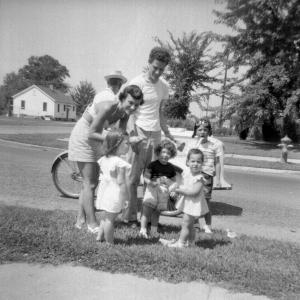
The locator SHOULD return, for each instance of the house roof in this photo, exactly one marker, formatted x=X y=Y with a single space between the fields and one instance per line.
x=55 y=95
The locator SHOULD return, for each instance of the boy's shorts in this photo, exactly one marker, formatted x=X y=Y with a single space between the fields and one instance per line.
x=208 y=186
x=156 y=198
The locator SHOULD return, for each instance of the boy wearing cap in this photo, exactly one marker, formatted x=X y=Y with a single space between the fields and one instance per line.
x=114 y=82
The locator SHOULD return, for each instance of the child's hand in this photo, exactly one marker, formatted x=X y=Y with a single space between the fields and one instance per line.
x=152 y=183
x=133 y=140
x=173 y=187
x=165 y=181
x=173 y=194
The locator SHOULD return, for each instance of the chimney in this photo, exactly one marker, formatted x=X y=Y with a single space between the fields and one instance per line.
x=51 y=87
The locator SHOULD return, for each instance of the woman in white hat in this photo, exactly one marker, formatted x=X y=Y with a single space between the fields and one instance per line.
x=114 y=81
x=86 y=140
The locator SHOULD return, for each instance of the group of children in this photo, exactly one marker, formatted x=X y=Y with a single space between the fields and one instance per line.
x=191 y=188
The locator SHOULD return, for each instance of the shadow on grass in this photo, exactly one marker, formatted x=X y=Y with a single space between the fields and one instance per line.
x=211 y=243
x=224 y=209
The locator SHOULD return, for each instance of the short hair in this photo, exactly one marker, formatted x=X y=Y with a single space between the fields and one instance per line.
x=113 y=140
x=134 y=91
x=161 y=54
x=194 y=151
x=206 y=123
x=167 y=145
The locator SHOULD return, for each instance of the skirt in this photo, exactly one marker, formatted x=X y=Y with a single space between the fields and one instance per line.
x=81 y=148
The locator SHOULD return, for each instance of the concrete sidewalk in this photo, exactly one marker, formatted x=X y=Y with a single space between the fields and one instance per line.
x=64 y=282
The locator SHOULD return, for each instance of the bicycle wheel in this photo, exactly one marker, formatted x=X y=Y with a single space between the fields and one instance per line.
x=66 y=176
x=171 y=211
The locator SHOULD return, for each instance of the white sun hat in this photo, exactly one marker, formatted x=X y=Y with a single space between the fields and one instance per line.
x=116 y=74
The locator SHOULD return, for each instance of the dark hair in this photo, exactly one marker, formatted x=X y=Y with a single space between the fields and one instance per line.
x=161 y=54
x=206 y=123
x=167 y=145
x=134 y=91
x=194 y=151
x=114 y=139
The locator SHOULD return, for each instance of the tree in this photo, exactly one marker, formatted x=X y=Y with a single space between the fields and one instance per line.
x=189 y=69
x=83 y=95
x=12 y=84
x=43 y=70
x=267 y=41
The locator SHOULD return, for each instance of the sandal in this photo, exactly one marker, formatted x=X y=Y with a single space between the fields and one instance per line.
x=93 y=230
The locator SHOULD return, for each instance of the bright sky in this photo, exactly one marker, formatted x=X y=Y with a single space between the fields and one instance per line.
x=92 y=38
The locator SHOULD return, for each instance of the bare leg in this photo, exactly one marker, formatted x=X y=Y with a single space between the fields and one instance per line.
x=131 y=213
x=89 y=172
x=207 y=217
x=192 y=234
x=100 y=236
x=81 y=217
x=146 y=215
x=187 y=223
x=154 y=221
x=109 y=226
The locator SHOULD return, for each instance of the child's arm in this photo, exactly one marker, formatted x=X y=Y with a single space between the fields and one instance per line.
x=190 y=190
x=147 y=178
x=121 y=180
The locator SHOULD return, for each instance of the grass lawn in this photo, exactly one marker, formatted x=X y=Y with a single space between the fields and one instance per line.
x=245 y=264
x=261 y=164
x=14 y=121
x=45 y=139
x=234 y=145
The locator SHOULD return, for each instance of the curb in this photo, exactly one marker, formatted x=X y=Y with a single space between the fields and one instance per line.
x=230 y=167
x=262 y=170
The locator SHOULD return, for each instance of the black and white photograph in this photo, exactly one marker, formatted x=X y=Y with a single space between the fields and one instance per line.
x=149 y=149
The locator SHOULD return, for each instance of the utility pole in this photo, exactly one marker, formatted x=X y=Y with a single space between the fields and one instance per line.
x=224 y=87
x=207 y=105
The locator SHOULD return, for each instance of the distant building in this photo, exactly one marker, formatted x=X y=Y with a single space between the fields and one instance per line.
x=40 y=101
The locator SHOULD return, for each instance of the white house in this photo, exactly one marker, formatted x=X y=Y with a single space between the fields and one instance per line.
x=40 y=101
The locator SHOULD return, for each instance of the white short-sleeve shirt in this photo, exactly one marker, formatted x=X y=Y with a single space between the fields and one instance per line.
x=147 y=115
x=106 y=95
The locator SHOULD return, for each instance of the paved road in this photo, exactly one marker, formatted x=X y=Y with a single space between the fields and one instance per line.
x=259 y=204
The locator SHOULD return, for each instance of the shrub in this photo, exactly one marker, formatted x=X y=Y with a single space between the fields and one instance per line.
x=223 y=131
x=188 y=124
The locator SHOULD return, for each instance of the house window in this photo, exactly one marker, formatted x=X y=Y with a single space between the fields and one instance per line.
x=57 y=107
x=44 y=106
x=64 y=107
x=73 y=108
x=22 y=104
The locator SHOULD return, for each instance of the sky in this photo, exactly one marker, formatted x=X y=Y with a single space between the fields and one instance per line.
x=95 y=37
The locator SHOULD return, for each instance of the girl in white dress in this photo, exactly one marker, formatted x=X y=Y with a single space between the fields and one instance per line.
x=112 y=192
x=192 y=203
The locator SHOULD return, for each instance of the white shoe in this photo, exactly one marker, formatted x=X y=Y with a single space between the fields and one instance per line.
x=191 y=243
x=143 y=233
x=178 y=244
x=207 y=229
x=93 y=230
x=231 y=234
x=166 y=242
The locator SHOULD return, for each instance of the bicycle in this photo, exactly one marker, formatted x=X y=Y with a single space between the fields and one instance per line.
x=67 y=180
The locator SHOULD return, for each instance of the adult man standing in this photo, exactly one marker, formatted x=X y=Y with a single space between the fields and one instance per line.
x=148 y=122
x=114 y=82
